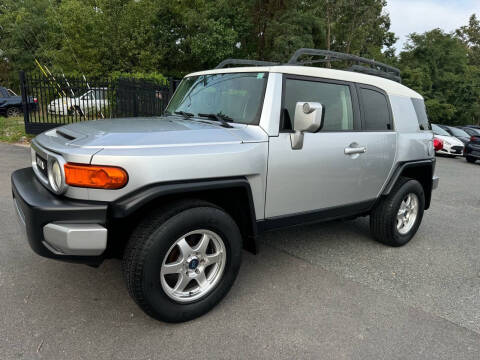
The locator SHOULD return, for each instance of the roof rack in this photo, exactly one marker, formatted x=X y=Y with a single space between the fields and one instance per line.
x=226 y=62
x=375 y=67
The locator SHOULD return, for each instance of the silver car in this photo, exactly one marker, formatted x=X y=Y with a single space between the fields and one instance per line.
x=239 y=151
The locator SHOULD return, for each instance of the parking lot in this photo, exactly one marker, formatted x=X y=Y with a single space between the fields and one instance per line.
x=321 y=291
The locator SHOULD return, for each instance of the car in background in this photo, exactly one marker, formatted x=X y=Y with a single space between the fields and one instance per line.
x=94 y=100
x=460 y=134
x=11 y=104
x=470 y=131
x=473 y=126
x=472 y=148
x=451 y=145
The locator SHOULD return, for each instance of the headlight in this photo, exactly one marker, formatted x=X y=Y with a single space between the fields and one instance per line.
x=55 y=177
x=445 y=142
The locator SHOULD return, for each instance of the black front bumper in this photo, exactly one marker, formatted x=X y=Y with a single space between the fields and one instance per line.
x=36 y=207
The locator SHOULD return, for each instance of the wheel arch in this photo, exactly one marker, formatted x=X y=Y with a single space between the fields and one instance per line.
x=231 y=194
x=421 y=170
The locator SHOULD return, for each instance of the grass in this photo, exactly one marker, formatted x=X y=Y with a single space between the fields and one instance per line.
x=12 y=130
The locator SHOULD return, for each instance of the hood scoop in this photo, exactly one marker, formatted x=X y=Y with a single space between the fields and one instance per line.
x=65 y=135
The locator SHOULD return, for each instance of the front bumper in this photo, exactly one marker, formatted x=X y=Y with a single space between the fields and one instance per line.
x=57 y=227
x=452 y=150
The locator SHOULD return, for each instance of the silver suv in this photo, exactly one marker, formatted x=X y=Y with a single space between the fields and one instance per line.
x=239 y=151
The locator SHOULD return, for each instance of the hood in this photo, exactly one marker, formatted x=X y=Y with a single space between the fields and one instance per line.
x=146 y=132
x=451 y=139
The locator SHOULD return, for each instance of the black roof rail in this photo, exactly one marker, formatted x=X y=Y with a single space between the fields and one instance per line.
x=226 y=62
x=375 y=67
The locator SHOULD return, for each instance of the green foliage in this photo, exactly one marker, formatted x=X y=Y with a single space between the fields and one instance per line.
x=436 y=64
x=147 y=38
x=13 y=130
x=151 y=76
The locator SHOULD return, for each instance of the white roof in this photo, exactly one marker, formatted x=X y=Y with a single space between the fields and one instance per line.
x=389 y=86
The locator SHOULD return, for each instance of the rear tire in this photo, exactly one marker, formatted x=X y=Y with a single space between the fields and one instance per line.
x=395 y=220
x=470 y=159
x=179 y=295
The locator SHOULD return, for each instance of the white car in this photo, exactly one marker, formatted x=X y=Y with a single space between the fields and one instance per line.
x=451 y=145
x=94 y=100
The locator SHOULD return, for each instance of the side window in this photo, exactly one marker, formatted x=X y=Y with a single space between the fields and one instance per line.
x=375 y=110
x=335 y=98
x=422 y=118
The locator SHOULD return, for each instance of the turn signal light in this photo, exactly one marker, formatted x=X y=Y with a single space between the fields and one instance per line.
x=95 y=176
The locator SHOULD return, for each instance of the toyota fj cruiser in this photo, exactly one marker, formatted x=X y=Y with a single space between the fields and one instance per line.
x=239 y=151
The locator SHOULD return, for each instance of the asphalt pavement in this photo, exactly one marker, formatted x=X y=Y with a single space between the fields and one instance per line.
x=324 y=291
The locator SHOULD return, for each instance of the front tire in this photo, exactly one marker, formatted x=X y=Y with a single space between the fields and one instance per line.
x=179 y=263
x=13 y=112
x=470 y=159
x=396 y=218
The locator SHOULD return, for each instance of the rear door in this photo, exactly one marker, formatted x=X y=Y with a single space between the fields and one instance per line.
x=344 y=164
x=379 y=138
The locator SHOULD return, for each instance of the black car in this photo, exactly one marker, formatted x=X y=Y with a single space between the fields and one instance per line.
x=460 y=134
x=472 y=148
x=11 y=103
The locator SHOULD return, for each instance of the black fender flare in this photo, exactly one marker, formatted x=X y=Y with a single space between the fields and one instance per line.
x=131 y=203
x=402 y=167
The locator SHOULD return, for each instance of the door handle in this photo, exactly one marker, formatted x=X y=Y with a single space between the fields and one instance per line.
x=355 y=150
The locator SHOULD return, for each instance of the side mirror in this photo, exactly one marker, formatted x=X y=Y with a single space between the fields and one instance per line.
x=308 y=118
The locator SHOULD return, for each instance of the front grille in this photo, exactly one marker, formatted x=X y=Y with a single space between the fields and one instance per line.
x=457 y=149
x=42 y=165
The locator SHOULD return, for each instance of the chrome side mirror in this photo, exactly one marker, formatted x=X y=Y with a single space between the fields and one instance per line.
x=308 y=118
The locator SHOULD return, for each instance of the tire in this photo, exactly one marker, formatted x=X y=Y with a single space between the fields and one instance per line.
x=156 y=238
x=13 y=112
x=470 y=159
x=383 y=218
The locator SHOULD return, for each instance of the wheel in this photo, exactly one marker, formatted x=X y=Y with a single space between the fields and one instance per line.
x=13 y=112
x=182 y=260
x=470 y=159
x=396 y=218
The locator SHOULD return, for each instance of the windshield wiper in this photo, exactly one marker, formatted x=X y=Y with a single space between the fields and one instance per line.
x=219 y=117
x=186 y=115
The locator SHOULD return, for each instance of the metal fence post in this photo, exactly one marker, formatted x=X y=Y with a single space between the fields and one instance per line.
x=23 y=89
x=171 y=88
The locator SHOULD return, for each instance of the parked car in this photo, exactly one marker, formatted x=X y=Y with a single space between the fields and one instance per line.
x=473 y=126
x=470 y=131
x=460 y=134
x=472 y=148
x=11 y=103
x=95 y=100
x=451 y=145
x=178 y=196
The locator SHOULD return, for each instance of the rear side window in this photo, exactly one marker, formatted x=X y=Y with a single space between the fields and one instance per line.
x=423 y=122
x=376 y=113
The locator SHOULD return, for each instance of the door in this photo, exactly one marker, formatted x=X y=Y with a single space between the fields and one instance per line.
x=333 y=167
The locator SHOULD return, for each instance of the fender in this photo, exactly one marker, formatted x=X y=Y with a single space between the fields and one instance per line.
x=202 y=188
x=408 y=166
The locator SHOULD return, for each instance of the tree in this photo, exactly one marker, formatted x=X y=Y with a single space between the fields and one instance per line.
x=470 y=36
x=436 y=64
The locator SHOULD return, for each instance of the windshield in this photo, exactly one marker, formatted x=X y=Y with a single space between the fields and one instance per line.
x=458 y=132
x=437 y=130
x=238 y=96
